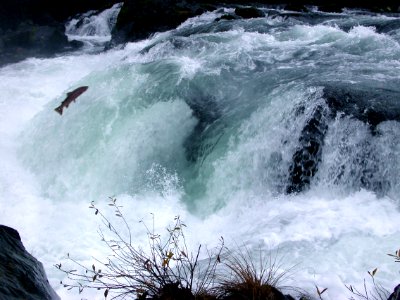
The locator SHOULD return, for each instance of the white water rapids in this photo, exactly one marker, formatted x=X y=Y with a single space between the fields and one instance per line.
x=201 y=122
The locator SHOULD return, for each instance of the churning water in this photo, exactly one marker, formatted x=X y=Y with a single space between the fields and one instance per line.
x=210 y=121
x=93 y=28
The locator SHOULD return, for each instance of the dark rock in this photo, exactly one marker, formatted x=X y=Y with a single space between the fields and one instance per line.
x=29 y=40
x=205 y=109
x=139 y=19
x=45 y=38
x=174 y=292
x=249 y=12
x=46 y=12
x=296 y=7
x=36 y=27
x=227 y=17
x=337 y=6
x=309 y=153
x=74 y=44
x=244 y=292
x=331 y=7
x=369 y=104
x=388 y=26
x=21 y=275
x=396 y=294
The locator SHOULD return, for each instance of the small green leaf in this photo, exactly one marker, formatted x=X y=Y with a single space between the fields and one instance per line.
x=106 y=293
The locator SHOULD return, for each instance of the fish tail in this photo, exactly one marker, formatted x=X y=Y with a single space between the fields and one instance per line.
x=59 y=110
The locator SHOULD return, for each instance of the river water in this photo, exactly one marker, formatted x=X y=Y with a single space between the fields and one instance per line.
x=203 y=122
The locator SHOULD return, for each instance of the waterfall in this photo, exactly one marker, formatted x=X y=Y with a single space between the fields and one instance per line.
x=93 y=27
x=280 y=133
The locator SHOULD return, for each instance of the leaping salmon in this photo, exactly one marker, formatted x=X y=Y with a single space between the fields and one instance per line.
x=71 y=97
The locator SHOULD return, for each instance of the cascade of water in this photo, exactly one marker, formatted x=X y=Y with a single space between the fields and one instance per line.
x=93 y=27
x=279 y=132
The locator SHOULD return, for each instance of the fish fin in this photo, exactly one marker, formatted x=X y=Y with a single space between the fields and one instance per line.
x=59 y=110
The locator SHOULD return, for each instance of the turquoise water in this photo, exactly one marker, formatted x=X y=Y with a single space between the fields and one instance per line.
x=203 y=122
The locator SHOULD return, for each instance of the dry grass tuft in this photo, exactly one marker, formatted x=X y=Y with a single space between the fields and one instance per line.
x=250 y=278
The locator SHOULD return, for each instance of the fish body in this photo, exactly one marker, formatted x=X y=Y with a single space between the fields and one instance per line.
x=71 y=97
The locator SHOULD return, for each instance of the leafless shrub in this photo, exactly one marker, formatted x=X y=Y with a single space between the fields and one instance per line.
x=132 y=272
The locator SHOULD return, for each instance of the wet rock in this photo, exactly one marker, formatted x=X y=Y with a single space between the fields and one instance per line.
x=227 y=17
x=35 y=28
x=369 y=104
x=331 y=7
x=139 y=19
x=337 y=6
x=249 y=12
x=396 y=294
x=203 y=139
x=46 y=12
x=309 y=153
x=29 y=40
x=296 y=7
x=21 y=275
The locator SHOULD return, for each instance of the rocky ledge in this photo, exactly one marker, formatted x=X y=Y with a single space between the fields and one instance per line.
x=35 y=28
x=21 y=275
x=140 y=18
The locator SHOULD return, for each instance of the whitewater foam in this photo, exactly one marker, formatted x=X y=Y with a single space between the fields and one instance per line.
x=248 y=94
